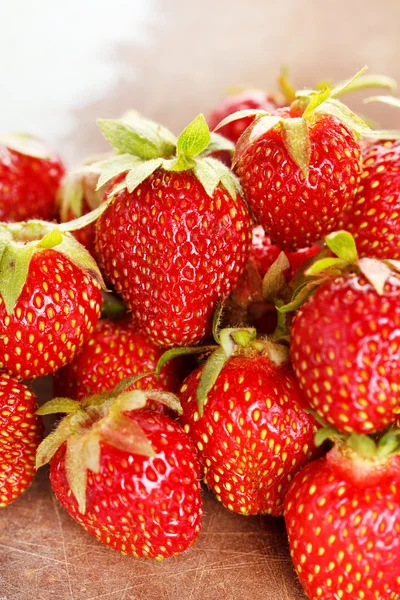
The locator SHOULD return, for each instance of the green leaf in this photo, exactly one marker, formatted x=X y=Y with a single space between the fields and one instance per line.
x=389 y=100
x=297 y=142
x=194 y=138
x=362 y=445
x=274 y=279
x=110 y=167
x=376 y=271
x=164 y=136
x=82 y=221
x=139 y=140
x=166 y=398
x=325 y=264
x=302 y=294
x=326 y=433
x=141 y=172
x=241 y=114
x=126 y=383
x=70 y=197
x=219 y=142
x=51 y=239
x=112 y=307
x=365 y=82
x=286 y=87
x=388 y=443
x=25 y=144
x=207 y=175
x=49 y=446
x=184 y=351
x=126 y=435
x=342 y=112
x=76 y=469
x=343 y=245
x=217 y=319
x=80 y=257
x=315 y=100
x=59 y=405
x=348 y=84
x=14 y=269
x=209 y=376
x=244 y=337
x=381 y=134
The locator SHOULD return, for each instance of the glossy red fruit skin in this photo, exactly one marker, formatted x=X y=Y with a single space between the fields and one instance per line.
x=344 y=530
x=345 y=348
x=28 y=186
x=21 y=433
x=147 y=507
x=114 y=351
x=254 y=435
x=172 y=252
x=293 y=211
x=375 y=219
x=56 y=312
x=247 y=99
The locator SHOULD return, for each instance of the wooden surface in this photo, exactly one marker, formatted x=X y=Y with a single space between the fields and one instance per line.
x=45 y=555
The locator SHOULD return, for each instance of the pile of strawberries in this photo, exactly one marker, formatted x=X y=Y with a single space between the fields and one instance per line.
x=247 y=282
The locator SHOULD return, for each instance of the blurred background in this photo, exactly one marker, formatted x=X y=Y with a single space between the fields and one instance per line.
x=65 y=64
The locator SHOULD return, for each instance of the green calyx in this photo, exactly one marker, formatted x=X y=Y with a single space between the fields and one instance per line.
x=143 y=146
x=230 y=342
x=99 y=418
x=306 y=108
x=20 y=241
x=25 y=144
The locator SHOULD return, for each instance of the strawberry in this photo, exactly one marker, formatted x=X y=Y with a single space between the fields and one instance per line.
x=30 y=176
x=300 y=166
x=128 y=475
x=78 y=196
x=345 y=341
x=114 y=351
x=342 y=514
x=20 y=436
x=375 y=220
x=245 y=414
x=175 y=234
x=50 y=297
x=244 y=100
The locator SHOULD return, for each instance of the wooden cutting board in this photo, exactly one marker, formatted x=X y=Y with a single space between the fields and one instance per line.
x=45 y=555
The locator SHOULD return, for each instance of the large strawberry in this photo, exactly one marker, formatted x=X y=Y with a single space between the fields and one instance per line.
x=50 y=297
x=375 y=219
x=128 y=475
x=345 y=340
x=30 y=176
x=176 y=233
x=342 y=514
x=20 y=436
x=300 y=166
x=114 y=351
x=246 y=415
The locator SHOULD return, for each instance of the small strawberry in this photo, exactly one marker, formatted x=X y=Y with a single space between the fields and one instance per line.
x=244 y=100
x=175 y=235
x=20 y=436
x=375 y=219
x=345 y=340
x=50 y=297
x=245 y=414
x=30 y=176
x=128 y=475
x=342 y=514
x=114 y=351
x=300 y=166
x=78 y=196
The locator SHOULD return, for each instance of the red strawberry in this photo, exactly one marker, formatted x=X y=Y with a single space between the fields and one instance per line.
x=345 y=342
x=115 y=350
x=20 y=436
x=375 y=220
x=30 y=176
x=247 y=99
x=343 y=521
x=254 y=434
x=130 y=477
x=78 y=196
x=175 y=235
x=50 y=298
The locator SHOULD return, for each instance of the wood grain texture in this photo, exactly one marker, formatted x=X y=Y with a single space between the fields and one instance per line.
x=45 y=555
